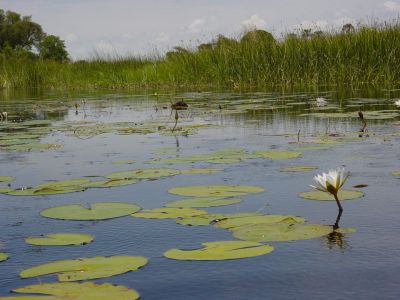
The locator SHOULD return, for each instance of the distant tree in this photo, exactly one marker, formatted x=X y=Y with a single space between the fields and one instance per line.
x=224 y=42
x=205 y=47
x=19 y=31
x=177 y=52
x=318 y=33
x=258 y=36
x=52 y=47
x=348 y=28
x=306 y=33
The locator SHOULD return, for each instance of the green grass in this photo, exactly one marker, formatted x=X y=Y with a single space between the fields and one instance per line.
x=369 y=55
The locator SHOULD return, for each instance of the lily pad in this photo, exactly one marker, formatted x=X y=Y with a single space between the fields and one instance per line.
x=200 y=171
x=298 y=169
x=124 y=162
x=95 y=211
x=277 y=154
x=323 y=196
x=396 y=173
x=215 y=190
x=202 y=202
x=60 y=239
x=61 y=184
x=234 y=222
x=75 y=291
x=204 y=220
x=143 y=174
x=109 y=183
x=42 y=191
x=279 y=232
x=6 y=178
x=3 y=256
x=221 y=250
x=87 y=268
x=166 y=213
x=5 y=190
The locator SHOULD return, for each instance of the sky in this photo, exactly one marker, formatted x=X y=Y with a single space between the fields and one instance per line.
x=133 y=27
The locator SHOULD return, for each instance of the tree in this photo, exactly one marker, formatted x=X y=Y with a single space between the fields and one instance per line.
x=348 y=28
x=258 y=36
x=52 y=47
x=17 y=31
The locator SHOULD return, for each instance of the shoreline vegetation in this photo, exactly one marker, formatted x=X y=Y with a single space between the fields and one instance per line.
x=367 y=55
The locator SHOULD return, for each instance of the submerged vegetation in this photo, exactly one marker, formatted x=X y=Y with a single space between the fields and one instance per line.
x=363 y=55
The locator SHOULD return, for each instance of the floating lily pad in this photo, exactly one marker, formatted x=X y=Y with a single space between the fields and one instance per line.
x=200 y=171
x=31 y=147
x=224 y=160
x=166 y=213
x=87 y=268
x=75 y=291
x=202 y=202
x=221 y=250
x=215 y=190
x=95 y=211
x=5 y=190
x=45 y=190
x=311 y=148
x=3 y=256
x=60 y=239
x=109 y=183
x=277 y=154
x=143 y=174
x=396 y=173
x=204 y=220
x=233 y=222
x=61 y=184
x=322 y=196
x=298 y=169
x=279 y=232
x=124 y=162
x=6 y=178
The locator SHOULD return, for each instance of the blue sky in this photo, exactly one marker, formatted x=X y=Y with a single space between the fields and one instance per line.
x=141 y=27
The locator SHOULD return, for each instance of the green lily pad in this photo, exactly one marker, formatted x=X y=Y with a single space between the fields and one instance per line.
x=124 y=162
x=221 y=250
x=31 y=147
x=396 y=173
x=3 y=256
x=204 y=220
x=6 y=178
x=95 y=211
x=75 y=291
x=42 y=191
x=166 y=213
x=215 y=190
x=202 y=202
x=87 y=268
x=224 y=160
x=200 y=171
x=60 y=239
x=61 y=184
x=277 y=154
x=311 y=148
x=143 y=174
x=298 y=169
x=109 y=183
x=323 y=196
x=5 y=190
x=235 y=221
x=280 y=232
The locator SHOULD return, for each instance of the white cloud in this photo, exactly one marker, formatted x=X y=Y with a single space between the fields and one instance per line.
x=104 y=47
x=392 y=6
x=196 y=25
x=127 y=35
x=162 y=37
x=71 y=37
x=254 y=22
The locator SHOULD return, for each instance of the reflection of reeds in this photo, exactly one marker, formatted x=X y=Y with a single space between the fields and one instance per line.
x=366 y=55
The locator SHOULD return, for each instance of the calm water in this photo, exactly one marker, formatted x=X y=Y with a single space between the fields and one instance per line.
x=363 y=265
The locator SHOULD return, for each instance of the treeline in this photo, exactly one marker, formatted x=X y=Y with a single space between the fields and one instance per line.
x=363 y=55
x=21 y=38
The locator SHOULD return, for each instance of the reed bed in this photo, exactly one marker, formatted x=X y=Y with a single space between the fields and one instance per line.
x=368 y=55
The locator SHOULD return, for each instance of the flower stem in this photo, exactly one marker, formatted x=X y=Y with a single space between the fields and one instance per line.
x=338 y=202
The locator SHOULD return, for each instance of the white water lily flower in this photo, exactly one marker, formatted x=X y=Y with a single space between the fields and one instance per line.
x=321 y=101
x=332 y=181
x=397 y=102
